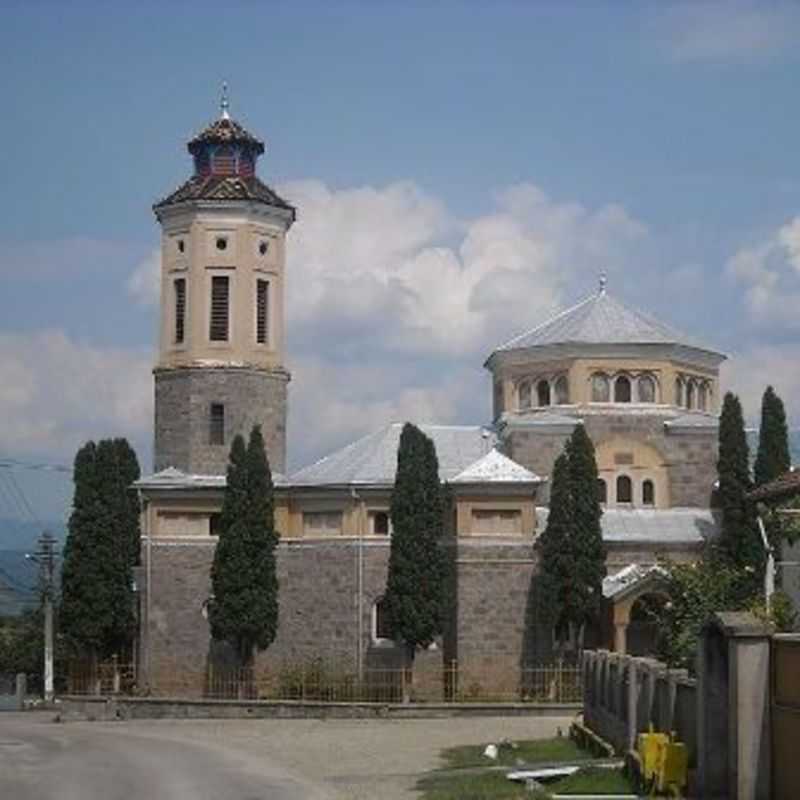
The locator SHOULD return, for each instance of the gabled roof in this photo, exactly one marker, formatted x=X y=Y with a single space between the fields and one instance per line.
x=225 y=187
x=600 y=319
x=783 y=486
x=494 y=467
x=372 y=460
x=629 y=579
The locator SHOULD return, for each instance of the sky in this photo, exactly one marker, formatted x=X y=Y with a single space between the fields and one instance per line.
x=461 y=170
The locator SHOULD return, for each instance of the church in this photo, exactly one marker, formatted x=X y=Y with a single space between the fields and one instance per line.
x=647 y=395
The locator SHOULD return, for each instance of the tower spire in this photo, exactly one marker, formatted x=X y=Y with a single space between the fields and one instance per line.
x=603 y=281
x=223 y=102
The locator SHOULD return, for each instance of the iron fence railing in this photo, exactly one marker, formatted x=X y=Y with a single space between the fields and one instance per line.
x=550 y=682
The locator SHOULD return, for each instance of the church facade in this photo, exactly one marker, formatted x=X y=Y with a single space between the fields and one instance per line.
x=647 y=395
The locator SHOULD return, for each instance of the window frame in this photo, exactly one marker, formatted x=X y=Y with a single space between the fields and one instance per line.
x=652 y=502
x=607 y=382
x=561 y=380
x=543 y=384
x=618 y=380
x=644 y=378
x=179 y=311
x=267 y=340
x=374 y=627
x=629 y=482
x=216 y=427
x=213 y=276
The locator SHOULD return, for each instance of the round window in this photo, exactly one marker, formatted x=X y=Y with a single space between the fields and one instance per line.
x=222 y=243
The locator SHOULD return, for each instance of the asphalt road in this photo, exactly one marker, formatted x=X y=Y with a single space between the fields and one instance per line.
x=270 y=759
x=40 y=760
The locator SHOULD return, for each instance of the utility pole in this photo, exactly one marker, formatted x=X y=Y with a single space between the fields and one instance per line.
x=45 y=557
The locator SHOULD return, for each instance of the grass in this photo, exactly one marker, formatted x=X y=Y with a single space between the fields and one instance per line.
x=541 y=751
x=467 y=774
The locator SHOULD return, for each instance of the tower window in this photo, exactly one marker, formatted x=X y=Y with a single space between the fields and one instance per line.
x=602 y=491
x=690 y=390
x=262 y=311
x=702 y=396
x=678 y=392
x=263 y=247
x=648 y=493
x=380 y=523
x=222 y=243
x=624 y=489
x=218 y=330
x=622 y=390
x=216 y=424
x=180 y=309
x=543 y=393
x=225 y=161
x=181 y=246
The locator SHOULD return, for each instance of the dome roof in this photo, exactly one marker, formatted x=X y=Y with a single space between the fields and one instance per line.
x=224 y=131
x=601 y=319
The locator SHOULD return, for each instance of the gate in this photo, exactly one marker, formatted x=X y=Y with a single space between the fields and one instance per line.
x=9 y=700
x=785 y=716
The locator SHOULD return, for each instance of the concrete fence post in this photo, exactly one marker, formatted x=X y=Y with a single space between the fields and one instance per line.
x=22 y=690
x=633 y=702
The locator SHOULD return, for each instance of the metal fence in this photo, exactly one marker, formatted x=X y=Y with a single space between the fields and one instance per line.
x=318 y=680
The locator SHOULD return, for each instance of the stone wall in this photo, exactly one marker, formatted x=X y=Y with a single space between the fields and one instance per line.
x=183 y=398
x=688 y=457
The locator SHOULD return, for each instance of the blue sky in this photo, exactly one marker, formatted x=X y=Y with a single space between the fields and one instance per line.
x=492 y=158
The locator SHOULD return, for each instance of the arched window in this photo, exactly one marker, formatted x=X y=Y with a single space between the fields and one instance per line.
x=543 y=393
x=562 y=390
x=678 y=392
x=648 y=493
x=646 y=386
x=690 y=389
x=602 y=491
x=702 y=396
x=600 y=388
x=622 y=389
x=381 y=626
x=624 y=489
x=525 y=394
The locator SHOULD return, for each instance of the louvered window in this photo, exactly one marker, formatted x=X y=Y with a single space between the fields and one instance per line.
x=216 y=424
x=262 y=311
x=180 y=309
x=218 y=331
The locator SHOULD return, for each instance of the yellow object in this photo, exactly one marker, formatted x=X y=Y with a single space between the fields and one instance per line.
x=665 y=762
x=649 y=746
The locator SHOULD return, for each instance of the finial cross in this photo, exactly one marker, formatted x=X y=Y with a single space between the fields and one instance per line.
x=223 y=103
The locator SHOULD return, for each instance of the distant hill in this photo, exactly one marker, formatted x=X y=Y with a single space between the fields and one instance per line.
x=18 y=534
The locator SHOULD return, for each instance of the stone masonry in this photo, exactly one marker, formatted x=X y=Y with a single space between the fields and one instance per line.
x=689 y=457
x=183 y=398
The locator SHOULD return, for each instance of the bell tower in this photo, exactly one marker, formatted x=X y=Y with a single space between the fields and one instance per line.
x=220 y=366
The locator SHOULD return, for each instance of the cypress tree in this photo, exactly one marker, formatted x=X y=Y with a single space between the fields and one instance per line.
x=244 y=611
x=740 y=541
x=128 y=473
x=557 y=562
x=97 y=605
x=773 y=458
x=588 y=550
x=415 y=585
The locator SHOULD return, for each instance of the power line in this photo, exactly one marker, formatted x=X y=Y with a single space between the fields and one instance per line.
x=13 y=463
x=24 y=500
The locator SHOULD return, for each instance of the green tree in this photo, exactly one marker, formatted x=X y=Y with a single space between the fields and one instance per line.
x=97 y=603
x=244 y=611
x=588 y=550
x=740 y=540
x=558 y=576
x=772 y=459
x=415 y=585
x=127 y=473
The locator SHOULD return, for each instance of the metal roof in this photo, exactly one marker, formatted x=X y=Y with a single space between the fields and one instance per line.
x=172 y=478
x=653 y=526
x=372 y=460
x=494 y=467
x=629 y=578
x=600 y=319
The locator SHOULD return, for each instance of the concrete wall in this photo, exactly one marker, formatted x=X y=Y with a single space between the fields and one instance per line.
x=623 y=695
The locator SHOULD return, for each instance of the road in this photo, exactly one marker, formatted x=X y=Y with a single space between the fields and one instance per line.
x=235 y=759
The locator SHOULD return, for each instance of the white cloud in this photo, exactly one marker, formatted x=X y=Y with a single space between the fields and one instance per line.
x=748 y=373
x=770 y=271
x=56 y=393
x=144 y=283
x=728 y=30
